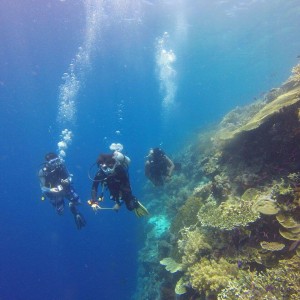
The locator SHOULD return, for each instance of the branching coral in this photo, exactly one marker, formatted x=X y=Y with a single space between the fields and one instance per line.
x=211 y=164
x=294 y=177
x=187 y=215
x=221 y=185
x=282 y=282
x=210 y=276
x=203 y=190
x=286 y=196
x=192 y=245
x=295 y=77
x=282 y=188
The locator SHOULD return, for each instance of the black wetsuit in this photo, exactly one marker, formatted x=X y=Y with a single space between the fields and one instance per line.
x=156 y=169
x=52 y=177
x=118 y=185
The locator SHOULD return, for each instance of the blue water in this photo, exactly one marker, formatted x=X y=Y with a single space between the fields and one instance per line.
x=136 y=85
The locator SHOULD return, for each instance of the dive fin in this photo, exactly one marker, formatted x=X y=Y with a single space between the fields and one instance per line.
x=141 y=210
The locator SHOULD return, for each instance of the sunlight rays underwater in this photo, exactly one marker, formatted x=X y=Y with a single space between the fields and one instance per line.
x=99 y=15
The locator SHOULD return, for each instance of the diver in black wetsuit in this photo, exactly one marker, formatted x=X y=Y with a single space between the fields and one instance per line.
x=113 y=175
x=158 y=167
x=55 y=182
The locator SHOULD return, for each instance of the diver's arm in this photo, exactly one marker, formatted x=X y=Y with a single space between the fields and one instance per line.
x=94 y=190
x=171 y=166
x=51 y=190
x=43 y=182
x=97 y=179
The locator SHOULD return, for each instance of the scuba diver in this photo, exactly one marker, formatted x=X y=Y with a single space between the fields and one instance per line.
x=158 y=167
x=55 y=181
x=113 y=174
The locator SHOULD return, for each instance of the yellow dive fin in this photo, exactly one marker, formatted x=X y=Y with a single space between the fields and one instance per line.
x=141 y=210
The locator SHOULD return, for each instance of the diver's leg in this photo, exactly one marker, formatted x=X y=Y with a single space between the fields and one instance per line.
x=58 y=203
x=72 y=196
x=74 y=199
x=130 y=201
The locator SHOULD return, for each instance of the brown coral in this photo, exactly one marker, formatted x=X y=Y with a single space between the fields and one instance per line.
x=287 y=221
x=211 y=276
x=171 y=265
x=265 y=206
x=272 y=246
x=292 y=234
x=192 y=245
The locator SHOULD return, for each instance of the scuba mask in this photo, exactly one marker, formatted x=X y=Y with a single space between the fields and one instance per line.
x=53 y=164
x=107 y=169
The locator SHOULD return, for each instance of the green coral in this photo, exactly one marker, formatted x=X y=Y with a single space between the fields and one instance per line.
x=295 y=77
x=282 y=188
x=203 y=190
x=285 y=195
x=187 y=214
x=221 y=185
x=228 y=215
x=171 y=265
x=294 y=177
x=283 y=101
x=180 y=288
x=211 y=276
x=192 y=245
x=211 y=164
x=282 y=282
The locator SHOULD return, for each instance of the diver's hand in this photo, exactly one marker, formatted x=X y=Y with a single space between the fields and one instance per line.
x=116 y=207
x=65 y=181
x=57 y=189
x=94 y=205
x=79 y=221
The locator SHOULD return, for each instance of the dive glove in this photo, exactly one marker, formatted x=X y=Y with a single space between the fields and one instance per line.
x=94 y=205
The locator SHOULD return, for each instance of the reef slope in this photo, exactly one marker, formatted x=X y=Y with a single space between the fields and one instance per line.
x=227 y=226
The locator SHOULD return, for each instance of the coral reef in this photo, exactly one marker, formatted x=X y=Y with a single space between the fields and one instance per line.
x=211 y=276
x=192 y=245
x=230 y=224
x=160 y=223
x=180 y=288
x=272 y=246
x=282 y=282
x=171 y=265
x=228 y=215
x=295 y=77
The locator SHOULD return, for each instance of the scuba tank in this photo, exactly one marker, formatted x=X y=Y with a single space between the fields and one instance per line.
x=121 y=159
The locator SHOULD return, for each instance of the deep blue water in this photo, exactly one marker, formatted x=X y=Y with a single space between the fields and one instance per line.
x=227 y=53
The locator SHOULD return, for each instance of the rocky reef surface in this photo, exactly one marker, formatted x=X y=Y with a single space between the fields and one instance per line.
x=227 y=226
